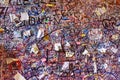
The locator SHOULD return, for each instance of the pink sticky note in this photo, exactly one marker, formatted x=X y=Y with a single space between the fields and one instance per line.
x=43 y=59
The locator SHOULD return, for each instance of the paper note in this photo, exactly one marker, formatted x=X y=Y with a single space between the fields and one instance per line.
x=27 y=33
x=40 y=33
x=82 y=35
x=24 y=16
x=42 y=75
x=17 y=34
x=18 y=76
x=114 y=50
x=100 y=11
x=50 y=5
x=12 y=17
x=102 y=50
x=69 y=54
x=67 y=44
x=65 y=66
x=34 y=49
x=57 y=46
x=1 y=30
x=118 y=59
x=105 y=65
x=85 y=52
x=10 y=60
x=95 y=67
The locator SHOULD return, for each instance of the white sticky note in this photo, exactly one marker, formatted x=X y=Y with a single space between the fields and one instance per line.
x=24 y=16
x=12 y=17
x=27 y=33
x=118 y=59
x=34 y=49
x=40 y=33
x=102 y=50
x=18 y=76
x=57 y=46
x=85 y=52
x=65 y=66
x=17 y=34
x=41 y=76
x=67 y=44
x=105 y=65
x=114 y=50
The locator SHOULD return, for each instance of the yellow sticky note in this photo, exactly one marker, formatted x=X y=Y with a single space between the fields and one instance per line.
x=1 y=30
x=46 y=38
x=82 y=35
x=100 y=11
x=10 y=60
x=50 y=5
x=84 y=44
x=34 y=49
x=69 y=54
x=43 y=11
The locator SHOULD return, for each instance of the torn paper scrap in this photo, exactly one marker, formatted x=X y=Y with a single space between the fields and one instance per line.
x=34 y=49
x=18 y=76
x=24 y=16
